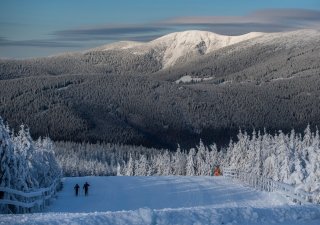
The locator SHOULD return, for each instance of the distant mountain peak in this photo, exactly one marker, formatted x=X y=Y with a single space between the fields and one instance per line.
x=180 y=46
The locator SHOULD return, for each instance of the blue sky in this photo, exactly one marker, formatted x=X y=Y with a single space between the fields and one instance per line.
x=31 y=28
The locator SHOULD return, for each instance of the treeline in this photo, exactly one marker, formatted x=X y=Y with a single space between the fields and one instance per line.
x=84 y=159
x=290 y=158
x=26 y=165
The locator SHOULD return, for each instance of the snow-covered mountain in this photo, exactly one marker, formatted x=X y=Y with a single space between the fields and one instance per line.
x=132 y=87
x=180 y=47
x=184 y=46
x=172 y=51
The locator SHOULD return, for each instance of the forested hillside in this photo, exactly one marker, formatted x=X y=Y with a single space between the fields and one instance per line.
x=127 y=93
x=135 y=110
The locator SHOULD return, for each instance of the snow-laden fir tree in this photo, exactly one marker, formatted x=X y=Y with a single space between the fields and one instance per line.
x=25 y=165
x=200 y=159
x=45 y=162
x=179 y=162
x=166 y=164
x=283 y=157
x=24 y=148
x=130 y=171
x=142 y=166
x=8 y=160
x=191 y=165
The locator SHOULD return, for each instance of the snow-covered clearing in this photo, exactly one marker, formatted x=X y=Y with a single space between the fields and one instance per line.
x=167 y=200
x=189 y=79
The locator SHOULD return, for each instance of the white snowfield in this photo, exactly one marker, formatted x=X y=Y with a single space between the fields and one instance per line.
x=167 y=200
x=195 y=43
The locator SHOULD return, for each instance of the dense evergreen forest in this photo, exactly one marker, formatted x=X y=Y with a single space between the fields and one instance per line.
x=125 y=95
x=138 y=111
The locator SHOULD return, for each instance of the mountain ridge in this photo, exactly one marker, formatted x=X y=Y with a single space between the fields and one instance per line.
x=180 y=44
x=270 y=81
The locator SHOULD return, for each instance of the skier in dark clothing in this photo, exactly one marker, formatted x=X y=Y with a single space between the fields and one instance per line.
x=76 y=188
x=86 y=188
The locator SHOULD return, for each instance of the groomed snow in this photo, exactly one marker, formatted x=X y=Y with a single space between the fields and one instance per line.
x=167 y=200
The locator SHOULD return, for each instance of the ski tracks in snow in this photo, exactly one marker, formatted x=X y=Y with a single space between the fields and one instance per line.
x=168 y=200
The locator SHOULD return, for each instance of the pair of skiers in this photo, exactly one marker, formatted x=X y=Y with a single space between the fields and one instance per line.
x=216 y=171
x=85 y=187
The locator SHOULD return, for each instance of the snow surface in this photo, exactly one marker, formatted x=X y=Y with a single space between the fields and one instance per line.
x=195 y=43
x=189 y=79
x=167 y=200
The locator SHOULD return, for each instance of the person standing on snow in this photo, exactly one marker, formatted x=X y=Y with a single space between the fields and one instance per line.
x=86 y=188
x=76 y=188
x=217 y=171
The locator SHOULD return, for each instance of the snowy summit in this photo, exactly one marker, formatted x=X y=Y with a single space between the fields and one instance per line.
x=180 y=47
x=193 y=43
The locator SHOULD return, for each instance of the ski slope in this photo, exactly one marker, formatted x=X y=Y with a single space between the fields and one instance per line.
x=167 y=200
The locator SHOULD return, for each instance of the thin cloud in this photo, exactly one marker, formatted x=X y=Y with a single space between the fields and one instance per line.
x=36 y=43
x=269 y=20
x=110 y=32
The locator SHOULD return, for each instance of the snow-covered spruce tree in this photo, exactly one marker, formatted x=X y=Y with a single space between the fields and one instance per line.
x=24 y=149
x=269 y=157
x=191 y=166
x=215 y=157
x=33 y=163
x=238 y=151
x=158 y=165
x=119 y=169
x=25 y=166
x=258 y=166
x=141 y=166
x=284 y=156
x=179 y=162
x=298 y=175
x=200 y=158
x=45 y=163
x=251 y=156
x=8 y=167
x=229 y=155
x=307 y=138
x=313 y=164
x=130 y=171
x=166 y=164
